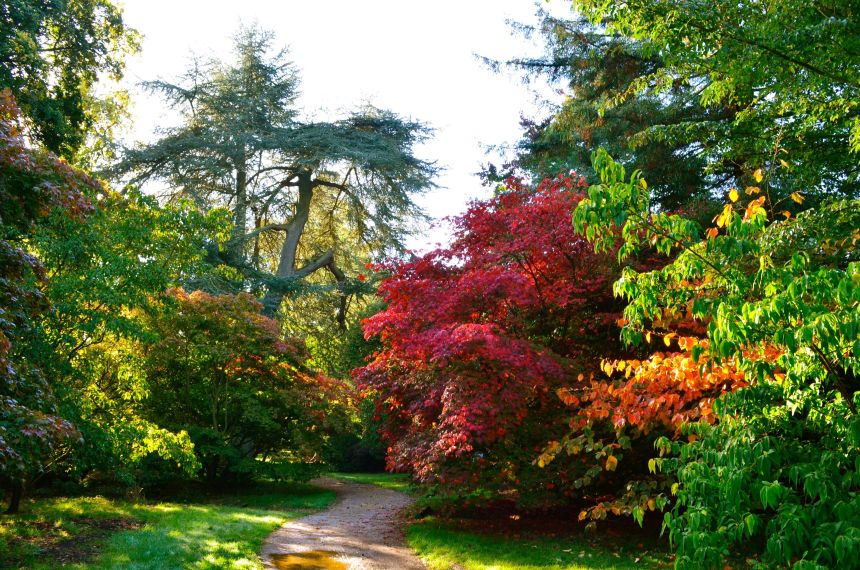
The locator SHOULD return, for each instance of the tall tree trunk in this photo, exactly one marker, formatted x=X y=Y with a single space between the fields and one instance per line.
x=240 y=212
x=287 y=262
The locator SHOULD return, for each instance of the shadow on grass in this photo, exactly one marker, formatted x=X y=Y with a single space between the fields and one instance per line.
x=205 y=530
x=445 y=545
x=194 y=537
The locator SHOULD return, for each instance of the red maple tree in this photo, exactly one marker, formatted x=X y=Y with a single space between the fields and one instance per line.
x=479 y=336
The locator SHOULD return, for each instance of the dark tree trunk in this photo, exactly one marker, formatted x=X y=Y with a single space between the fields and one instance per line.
x=240 y=213
x=287 y=262
x=287 y=269
x=16 y=491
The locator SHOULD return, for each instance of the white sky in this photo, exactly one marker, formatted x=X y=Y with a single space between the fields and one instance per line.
x=413 y=57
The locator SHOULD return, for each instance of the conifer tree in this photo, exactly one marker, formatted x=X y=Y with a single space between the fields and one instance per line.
x=242 y=145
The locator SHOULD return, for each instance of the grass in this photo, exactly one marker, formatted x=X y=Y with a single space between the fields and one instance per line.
x=395 y=481
x=520 y=544
x=445 y=545
x=205 y=532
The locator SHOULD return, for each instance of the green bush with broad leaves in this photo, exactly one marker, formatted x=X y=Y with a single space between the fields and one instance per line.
x=777 y=477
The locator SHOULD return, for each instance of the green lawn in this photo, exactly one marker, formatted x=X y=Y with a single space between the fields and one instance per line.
x=396 y=481
x=447 y=545
x=220 y=531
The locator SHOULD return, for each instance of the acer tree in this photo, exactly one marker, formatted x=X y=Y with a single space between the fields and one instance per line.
x=221 y=371
x=476 y=339
x=33 y=183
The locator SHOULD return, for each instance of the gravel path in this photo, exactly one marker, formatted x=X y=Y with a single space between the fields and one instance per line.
x=363 y=530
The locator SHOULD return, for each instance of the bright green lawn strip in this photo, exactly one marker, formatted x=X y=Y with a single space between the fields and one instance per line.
x=217 y=534
x=395 y=481
x=443 y=546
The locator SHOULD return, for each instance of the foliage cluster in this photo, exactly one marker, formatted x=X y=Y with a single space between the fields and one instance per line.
x=223 y=371
x=778 y=461
x=32 y=184
x=52 y=54
x=477 y=337
x=702 y=94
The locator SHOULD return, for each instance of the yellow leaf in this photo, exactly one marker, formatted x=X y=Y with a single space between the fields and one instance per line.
x=643 y=184
x=582 y=515
x=667 y=340
x=758 y=175
x=723 y=218
x=648 y=337
x=786 y=213
x=751 y=190
x=733 y=195
x=783 y=163
x=797 y=197
x=611 y=463
x=754 y=207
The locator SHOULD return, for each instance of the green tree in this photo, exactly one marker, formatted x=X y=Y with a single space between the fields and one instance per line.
x=102 y=274
x=242 y=145
x=222 y=371
x=703 y=96
x=52 y=54
x=593 y=67
x=777 y=474
x=786 y=70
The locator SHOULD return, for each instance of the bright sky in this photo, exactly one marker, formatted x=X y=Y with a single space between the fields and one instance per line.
x=416 y=58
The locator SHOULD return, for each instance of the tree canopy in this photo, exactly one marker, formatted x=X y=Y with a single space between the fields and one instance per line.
x=52 y=54
x=703 y=95
x=242 y=145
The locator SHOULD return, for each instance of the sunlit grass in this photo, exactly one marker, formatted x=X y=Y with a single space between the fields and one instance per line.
x=226 y=531
x=444 y=545
x=395 y=481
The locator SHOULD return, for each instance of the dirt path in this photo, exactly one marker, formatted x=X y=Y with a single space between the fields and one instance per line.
x=362 y=530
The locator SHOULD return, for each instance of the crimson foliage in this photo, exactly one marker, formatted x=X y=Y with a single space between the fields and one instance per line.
x=478 y=337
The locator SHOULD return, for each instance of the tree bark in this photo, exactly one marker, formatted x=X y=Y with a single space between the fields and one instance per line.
x=287 y=263
x=16 y=491
x=240 y=213
x=295 y=228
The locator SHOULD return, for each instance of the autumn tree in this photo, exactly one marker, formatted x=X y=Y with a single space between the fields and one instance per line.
x=477 y=337
x=222 y=371
x=33 y=183
x=242 y=145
